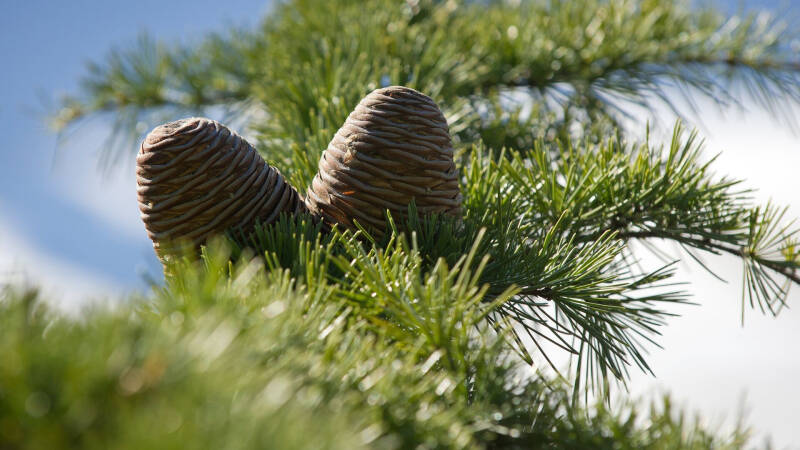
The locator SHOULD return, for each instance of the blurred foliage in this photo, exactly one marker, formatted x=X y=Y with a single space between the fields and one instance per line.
x=291 y=337
x=233 y=356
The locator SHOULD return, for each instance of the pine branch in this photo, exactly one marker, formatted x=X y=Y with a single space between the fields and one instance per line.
x=311 y=61
x=787 y=270
x=646 y=194
x=563 y=293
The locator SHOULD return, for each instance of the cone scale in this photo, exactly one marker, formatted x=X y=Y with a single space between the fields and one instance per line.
x=197 y=178
x=394 y=148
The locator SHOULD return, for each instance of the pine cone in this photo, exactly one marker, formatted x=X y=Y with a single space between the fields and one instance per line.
x=198 y=178
x=394 y=147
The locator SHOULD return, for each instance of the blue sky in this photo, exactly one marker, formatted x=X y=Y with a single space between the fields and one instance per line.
x=77 y=233
x=51 y=196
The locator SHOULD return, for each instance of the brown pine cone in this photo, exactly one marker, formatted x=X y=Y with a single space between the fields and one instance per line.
x=197 y=178
x=394 y=147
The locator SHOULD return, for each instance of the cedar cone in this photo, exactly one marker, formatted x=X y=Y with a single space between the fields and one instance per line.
x=197 y=178
x=394 y=148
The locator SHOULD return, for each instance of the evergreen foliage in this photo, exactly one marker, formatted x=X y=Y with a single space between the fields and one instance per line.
x=291 y=337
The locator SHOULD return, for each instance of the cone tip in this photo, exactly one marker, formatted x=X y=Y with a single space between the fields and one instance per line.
x=173 y=128
x=402 y=92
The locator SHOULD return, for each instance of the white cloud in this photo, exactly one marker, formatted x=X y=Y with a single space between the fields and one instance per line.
x=108 y=195
x=61 y=283
x=709 y=361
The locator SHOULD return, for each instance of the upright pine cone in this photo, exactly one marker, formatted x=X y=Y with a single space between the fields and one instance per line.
x=198 y=178
x=394 y=147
